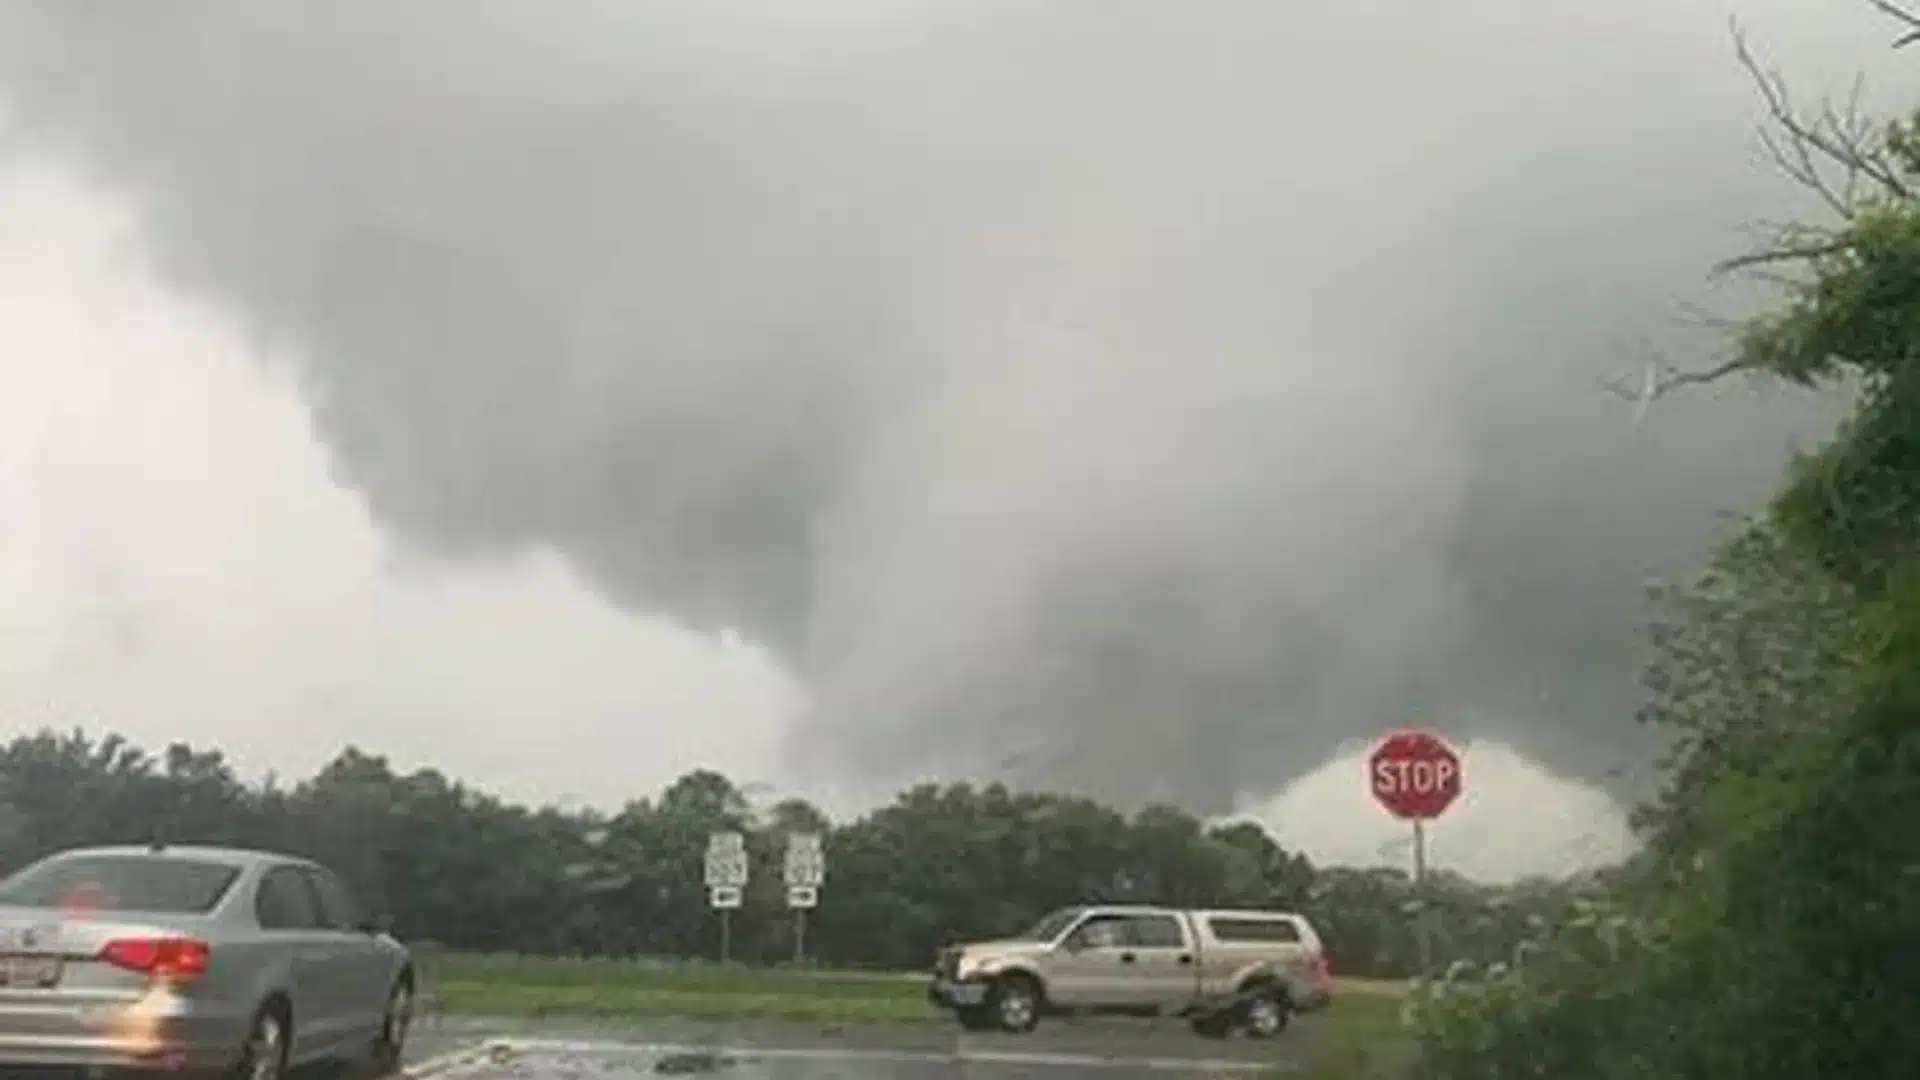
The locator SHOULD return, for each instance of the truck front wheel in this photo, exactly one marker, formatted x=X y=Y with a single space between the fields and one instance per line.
x=1014 y=1003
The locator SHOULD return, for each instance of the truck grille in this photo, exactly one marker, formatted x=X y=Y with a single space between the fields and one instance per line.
x=947 y=964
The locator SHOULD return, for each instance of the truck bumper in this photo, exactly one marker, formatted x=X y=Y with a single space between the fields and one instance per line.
x=957 y=994
x=1316 y=1001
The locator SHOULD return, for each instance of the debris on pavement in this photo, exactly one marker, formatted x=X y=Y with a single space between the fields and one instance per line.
x=686 y=1064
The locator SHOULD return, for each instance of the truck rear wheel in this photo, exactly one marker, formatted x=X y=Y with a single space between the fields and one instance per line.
x=1265 y=1011
x=1014 y=1003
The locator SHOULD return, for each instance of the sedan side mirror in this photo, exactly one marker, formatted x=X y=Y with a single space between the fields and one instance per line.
x=379 y=924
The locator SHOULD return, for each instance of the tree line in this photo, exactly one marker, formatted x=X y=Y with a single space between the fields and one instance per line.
x=466 y=870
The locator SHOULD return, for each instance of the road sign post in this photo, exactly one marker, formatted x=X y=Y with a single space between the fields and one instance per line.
x=726 y=878
x=1422 y=919
x=804 y=870
x=1416 y=776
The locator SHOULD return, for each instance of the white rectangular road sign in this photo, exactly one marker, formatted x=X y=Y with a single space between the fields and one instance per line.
x=806 y=862
x=726 y=864
x=724 y=897
x=803 y=897
x=726 y=870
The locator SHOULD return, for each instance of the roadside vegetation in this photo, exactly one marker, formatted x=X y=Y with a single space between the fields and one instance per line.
x=1769 y=929
x=467 y=873
x=511 y=985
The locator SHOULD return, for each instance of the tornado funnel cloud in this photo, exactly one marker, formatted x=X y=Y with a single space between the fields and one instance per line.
x=1136 y=397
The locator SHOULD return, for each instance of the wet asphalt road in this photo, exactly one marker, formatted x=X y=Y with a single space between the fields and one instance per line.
x=423 y=1045
x=1093 y=1051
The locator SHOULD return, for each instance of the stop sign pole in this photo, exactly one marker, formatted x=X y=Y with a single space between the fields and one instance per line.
x=1415 y=776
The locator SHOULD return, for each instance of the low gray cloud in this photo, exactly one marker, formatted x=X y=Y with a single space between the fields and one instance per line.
x=1139 y=396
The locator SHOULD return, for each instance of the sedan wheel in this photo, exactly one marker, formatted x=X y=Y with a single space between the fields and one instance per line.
x=393 y=1027
x=265 y=1055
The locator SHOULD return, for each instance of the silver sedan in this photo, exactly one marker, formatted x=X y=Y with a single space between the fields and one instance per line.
x=194 y=958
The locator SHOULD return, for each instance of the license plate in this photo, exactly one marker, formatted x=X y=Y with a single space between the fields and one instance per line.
x=29 y=970
x=962 y=993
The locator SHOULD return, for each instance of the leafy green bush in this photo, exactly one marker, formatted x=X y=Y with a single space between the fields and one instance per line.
x=1550 y=1013
x=1770 y=930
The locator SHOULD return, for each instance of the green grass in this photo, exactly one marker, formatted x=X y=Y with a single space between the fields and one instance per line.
x=1360 y=1036
x=603 y=988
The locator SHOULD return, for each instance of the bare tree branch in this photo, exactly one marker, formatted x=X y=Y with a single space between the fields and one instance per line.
x=1902 y=15
x=1833 y=152
x=1695 y=315
x=1805 y=146
x=1664 y=379
x=1857 y=132
x=1791 y=158
x=1779 y=279
x=1783 y=253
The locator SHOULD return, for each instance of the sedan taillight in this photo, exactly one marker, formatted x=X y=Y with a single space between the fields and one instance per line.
x=175 y=959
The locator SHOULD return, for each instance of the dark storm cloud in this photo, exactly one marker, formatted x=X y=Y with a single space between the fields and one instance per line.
x=1144 y=396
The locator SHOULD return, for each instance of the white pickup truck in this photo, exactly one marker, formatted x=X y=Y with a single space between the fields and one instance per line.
x=1222 y=970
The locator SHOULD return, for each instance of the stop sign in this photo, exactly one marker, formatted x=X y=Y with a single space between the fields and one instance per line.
x=1414 y=774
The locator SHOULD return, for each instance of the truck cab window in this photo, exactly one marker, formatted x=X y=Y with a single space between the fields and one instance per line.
x=1156 y=932
x=1100 y=932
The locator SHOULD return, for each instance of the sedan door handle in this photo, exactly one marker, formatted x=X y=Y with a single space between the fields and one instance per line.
x=1186 y=958
x=1126 y=958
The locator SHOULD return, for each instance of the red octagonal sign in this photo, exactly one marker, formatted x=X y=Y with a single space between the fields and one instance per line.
x=1414 y=774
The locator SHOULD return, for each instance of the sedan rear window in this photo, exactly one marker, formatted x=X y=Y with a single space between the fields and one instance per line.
x=155 y=883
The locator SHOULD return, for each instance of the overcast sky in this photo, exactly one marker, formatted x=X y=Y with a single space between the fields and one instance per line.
x=1154 y=399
